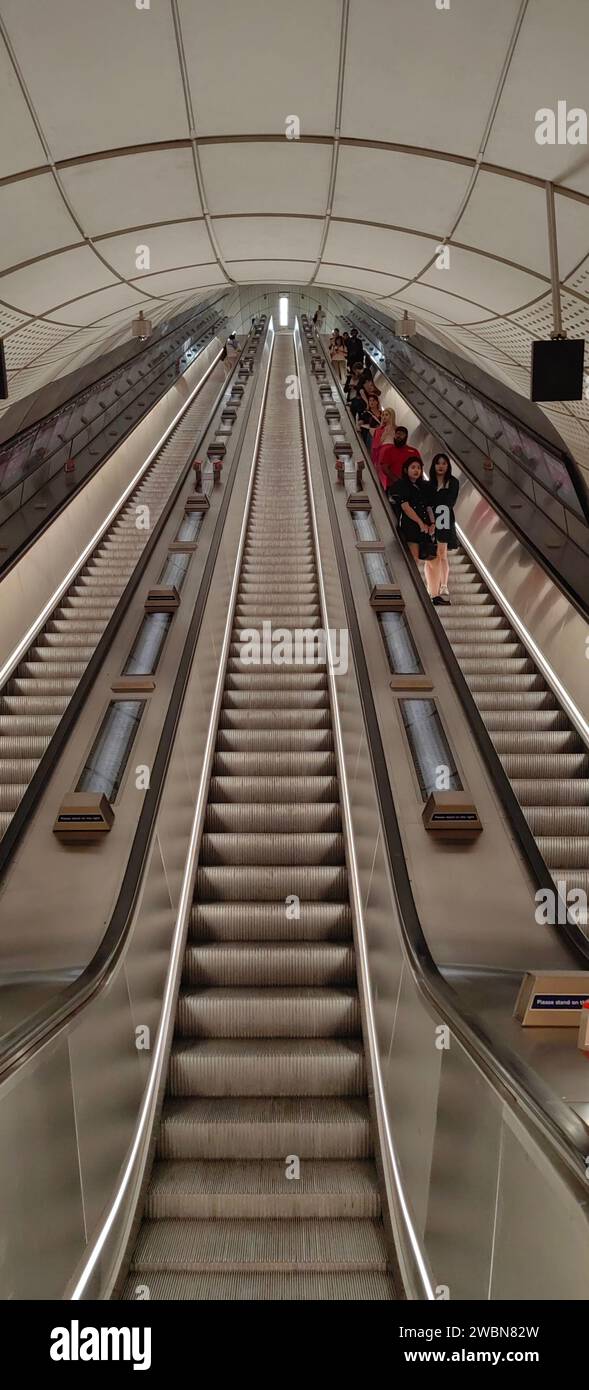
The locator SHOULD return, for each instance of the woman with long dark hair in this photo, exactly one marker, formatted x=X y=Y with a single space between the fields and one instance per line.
x=339 y=355
x=416 y=523
x=444 y=491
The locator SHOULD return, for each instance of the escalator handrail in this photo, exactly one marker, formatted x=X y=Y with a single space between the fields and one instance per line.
x=576 y=939
x=577 y=600
x=208 y=324
x=561 y=454
x=21 y=547
x=560 y=1130
x=24 y=1040
x=464 y=424
x=59 y=738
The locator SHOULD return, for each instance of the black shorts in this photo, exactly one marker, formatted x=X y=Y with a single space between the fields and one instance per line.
x=447 y=536
x=410 y=530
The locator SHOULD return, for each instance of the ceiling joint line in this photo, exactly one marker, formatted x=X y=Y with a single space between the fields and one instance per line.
x=479 y=161
x=198 y=174
x=53 y=170
x=341 y=73
x=492 y=113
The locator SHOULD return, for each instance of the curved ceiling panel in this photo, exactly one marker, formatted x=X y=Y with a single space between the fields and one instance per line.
x=146 y=159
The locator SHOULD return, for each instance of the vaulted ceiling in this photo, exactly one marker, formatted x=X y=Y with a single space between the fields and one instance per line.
x=165 y=124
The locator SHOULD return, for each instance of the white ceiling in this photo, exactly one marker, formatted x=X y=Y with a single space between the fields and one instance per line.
x=161 y=123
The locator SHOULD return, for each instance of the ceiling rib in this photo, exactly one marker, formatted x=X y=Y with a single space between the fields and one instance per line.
x=341 y=77
x=345 y=141
x=478 y=163
x=194 y=144
x=50 y=161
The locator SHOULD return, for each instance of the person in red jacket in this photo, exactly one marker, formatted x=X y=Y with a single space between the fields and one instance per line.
x=391 y=457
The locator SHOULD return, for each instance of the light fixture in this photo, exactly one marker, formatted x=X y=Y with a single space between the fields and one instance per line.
x=405 y=327
x=141 y=328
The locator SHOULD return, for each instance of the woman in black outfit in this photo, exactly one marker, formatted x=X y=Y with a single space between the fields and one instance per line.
x=369 y=420
x=444 y=491
x=416 y=524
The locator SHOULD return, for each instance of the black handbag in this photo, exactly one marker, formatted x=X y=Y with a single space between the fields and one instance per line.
x=428 y=547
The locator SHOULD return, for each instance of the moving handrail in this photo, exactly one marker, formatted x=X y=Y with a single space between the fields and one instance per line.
x=575 y=937
x=561 y=1135
x=562 y=1130
x=70 y=716
x=85 y=431
x=550 y=514
x=58 y=433
x=19 y=1042
x=552 y=469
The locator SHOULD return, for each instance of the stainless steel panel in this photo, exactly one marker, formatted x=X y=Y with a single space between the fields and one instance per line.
x=412 y=1079
x=42 y=1212
x=463 y=1189
x=106 y=1097
x=541 y=1249
x=147 y=957
x=553 y=623
x=31 y=583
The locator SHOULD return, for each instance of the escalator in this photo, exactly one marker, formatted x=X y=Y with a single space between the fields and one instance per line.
x=264 y=1184
x=40 y=688
x=542 y=753
x=292 y=1130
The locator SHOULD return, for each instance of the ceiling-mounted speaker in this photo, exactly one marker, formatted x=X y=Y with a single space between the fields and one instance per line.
x=141 y=328
x=557 y=369
x=405 y=327
x=3 y=374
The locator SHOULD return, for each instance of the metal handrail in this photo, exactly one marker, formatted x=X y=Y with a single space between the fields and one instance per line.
x=38 y=1030
x=561 y=455
x=122 y=403
x=563 y=1134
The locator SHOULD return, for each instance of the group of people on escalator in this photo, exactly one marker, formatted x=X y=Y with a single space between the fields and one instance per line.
x=424 y=505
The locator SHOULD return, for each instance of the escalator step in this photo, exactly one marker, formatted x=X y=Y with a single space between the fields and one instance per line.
x=271 y=848
x=276 y=789
x=279 y=764
x=344 y=1286
x=268 y=1013
x=547 y=792
x=242 y=1189
x=258 y=817
x=267 y=921
x=243 y=964
x=273 y=1067
x=266 y=1127
x=270 y=741
x=259 y=1245
x=265 y=717
x=568 y=851
x=249 y=883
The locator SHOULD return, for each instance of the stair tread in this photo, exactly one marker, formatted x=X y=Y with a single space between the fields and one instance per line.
x=251 y=1244
x=253 y=1286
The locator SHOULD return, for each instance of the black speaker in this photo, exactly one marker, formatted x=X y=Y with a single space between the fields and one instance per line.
x=3 y=374
x=557 y=369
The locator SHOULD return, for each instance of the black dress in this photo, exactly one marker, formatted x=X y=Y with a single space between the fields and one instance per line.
x=364 y=419
x=419 y=497
x=442 y=502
